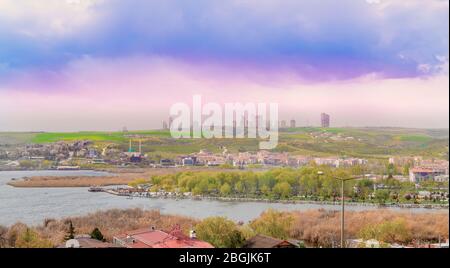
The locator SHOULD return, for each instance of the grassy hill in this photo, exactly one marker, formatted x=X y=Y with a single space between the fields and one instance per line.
x=360 y=142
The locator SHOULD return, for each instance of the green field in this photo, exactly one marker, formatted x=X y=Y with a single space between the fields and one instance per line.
x=359 y=142
x=94 y=136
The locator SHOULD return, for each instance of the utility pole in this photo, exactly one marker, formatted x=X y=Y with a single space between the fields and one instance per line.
x=342 y=214
x=343 y=180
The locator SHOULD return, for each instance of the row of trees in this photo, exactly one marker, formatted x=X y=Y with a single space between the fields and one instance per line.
x=283 y=183
x=276 y=183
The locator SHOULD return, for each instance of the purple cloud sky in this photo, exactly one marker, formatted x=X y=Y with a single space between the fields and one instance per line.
x=82 y=52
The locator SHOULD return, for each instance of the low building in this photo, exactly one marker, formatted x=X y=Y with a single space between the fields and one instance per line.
x=441 y=178
x=262 y=241
x=154 y=238
x=188 y=161
x=419 y=174
x=86 y=242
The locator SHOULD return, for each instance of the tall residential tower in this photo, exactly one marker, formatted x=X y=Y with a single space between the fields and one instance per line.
x=325 y=120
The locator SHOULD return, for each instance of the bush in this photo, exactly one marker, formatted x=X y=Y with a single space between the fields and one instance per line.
x=273 y=223
x=220 y=232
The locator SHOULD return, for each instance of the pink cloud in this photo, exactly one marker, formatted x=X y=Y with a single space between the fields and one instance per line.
x=106 y=94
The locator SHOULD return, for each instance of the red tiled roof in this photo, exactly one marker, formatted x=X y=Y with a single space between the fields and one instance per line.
x=417 y=169
x=146 y=238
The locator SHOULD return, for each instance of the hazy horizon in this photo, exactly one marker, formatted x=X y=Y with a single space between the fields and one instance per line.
x=156 y=129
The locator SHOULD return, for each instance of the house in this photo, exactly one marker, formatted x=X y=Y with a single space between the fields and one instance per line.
x=262 y=241
x=154 y=238
x=85 y=241
x=419 y=174
x=188 y=161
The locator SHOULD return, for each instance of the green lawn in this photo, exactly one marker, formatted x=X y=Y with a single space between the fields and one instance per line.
x=415 y=138
x=95 y=136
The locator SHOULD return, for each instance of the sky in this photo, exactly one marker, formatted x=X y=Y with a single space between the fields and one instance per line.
x=70 y=65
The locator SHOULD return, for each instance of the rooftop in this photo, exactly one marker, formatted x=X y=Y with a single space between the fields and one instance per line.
x=153 y=238
x=262 y=241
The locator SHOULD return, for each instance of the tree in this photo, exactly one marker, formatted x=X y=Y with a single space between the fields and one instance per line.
x=239 y=187
x=381 y=195
x=30 y=239
x=225 y=189
x=365 y=186
x=389 y=232
x=391 y=170
x=282 y=190
x=96 y=234
x=265 y=190
x=273 y=223
x=406 y=169
x=3 y=240
x=330 y=187
x=70 y=232
x=220 y=232
x=394 y=231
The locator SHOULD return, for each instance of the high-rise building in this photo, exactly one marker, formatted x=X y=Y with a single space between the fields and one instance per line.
x=283 y=124
x=170 y=121
x=325 y=120
x=292 y=123
x=165 y=126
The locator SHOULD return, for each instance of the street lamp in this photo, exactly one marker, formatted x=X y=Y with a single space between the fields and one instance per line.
x=343 y=180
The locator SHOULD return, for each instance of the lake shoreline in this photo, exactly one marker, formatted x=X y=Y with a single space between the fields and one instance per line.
x=33 y=205
x=280 y=201
x=120 y=177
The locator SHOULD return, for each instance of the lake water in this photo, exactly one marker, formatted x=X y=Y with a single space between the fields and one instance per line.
x=33 y=205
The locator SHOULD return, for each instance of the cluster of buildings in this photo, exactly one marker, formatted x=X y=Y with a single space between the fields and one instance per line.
x=174 y=238
x=155 y=238
x=51 y=151
x=141 y=238
x=262 y=157
x=282 y=124
x=65 y=154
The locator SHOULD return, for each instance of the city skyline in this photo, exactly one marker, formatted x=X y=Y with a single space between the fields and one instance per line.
x=102 y=64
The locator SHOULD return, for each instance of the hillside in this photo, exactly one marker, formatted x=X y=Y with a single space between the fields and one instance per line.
x=361 y=142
